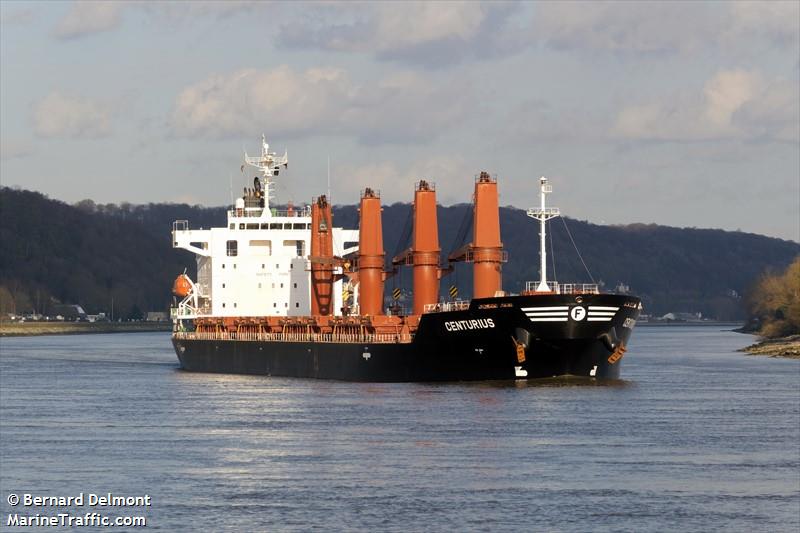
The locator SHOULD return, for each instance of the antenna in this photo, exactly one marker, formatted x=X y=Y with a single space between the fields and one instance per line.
x=269 y=164
x=329 y=180
x=543 y=214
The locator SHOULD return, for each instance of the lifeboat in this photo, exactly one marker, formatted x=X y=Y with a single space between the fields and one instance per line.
x=182 y=286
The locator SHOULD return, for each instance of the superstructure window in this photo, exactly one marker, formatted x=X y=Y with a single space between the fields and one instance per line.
x=301 y=248
x=252 y=226
x=298 y=226
x=232 y=248
x=275 y=225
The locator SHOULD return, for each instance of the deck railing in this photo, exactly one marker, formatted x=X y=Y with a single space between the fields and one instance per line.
x=368 y=338
x=455 y=305
x=565 y=288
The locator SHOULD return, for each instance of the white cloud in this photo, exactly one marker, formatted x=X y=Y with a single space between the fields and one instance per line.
x=88 y=17
x=665 y=27
x=774 y=113
x=404 y=107
x=59 y=115
x=776 y=20
x=14 y=148
x=426 y=33
x=638 y=27
x=18 y=16
x=395 y=180
x=734 y=104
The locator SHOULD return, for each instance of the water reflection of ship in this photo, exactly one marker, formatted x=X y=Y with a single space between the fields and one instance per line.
x=286 y=293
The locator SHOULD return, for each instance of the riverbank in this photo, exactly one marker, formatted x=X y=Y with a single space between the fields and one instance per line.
x=788 y=347
x=24 y=329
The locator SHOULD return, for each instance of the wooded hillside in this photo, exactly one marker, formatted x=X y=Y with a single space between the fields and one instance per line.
x=90 y=253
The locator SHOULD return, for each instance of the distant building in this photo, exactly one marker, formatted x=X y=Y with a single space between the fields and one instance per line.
x=157 y=316
x=622 y=288
x=68 y=311
x=683 y=317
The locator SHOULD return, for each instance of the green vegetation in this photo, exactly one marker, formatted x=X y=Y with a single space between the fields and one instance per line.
x=104 y=255
x=774 y=303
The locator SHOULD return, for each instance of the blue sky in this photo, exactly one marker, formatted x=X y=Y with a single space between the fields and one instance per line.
x=679 y=113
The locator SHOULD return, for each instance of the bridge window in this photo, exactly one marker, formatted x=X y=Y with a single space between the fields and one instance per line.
x=232 y=248
x=260 y=247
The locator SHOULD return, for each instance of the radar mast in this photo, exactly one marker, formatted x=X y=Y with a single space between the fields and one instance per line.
x=269 y=164
x=543 y=214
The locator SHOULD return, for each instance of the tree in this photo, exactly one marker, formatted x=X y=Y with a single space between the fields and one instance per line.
x=135 y=313
x=6 y=302
x=775 y=302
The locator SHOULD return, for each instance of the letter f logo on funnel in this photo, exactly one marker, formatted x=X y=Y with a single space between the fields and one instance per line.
x=577 y=313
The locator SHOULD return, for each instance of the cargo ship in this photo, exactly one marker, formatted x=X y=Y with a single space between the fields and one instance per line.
x=283 y=292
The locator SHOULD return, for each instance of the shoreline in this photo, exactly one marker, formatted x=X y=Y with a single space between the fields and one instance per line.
x=786 y=347
x=31 y=329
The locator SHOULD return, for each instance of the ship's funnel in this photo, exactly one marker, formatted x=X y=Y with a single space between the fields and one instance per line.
x=487 y=250
x=370 y=255
x=425 y=248
x=322 y=254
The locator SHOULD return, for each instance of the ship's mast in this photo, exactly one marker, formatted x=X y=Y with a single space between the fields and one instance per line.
x=269 y=164
x=543 y=214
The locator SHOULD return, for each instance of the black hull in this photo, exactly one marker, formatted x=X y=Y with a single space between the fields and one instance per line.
x=495 y=339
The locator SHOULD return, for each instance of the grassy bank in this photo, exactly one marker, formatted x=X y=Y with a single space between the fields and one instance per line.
x=21 y=329
x=780 y=347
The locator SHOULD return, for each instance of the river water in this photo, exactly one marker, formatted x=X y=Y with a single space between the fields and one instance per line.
x=697 y=438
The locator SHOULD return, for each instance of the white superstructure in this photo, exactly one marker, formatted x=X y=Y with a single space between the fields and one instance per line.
x=258 y=264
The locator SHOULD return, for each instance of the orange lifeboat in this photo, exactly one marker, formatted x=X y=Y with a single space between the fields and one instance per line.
x=182 y=286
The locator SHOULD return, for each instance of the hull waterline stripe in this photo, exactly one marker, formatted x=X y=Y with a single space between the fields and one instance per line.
x=558 y=308
x=546 y=313
x=595 y=319
x=548 y=319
